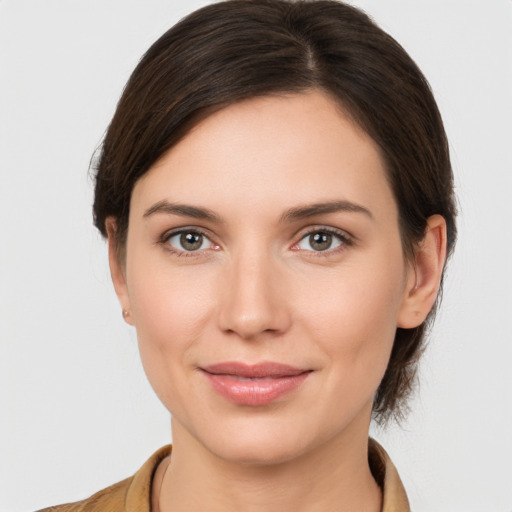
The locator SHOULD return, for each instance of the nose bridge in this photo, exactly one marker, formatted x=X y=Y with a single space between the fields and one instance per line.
x=252 y=301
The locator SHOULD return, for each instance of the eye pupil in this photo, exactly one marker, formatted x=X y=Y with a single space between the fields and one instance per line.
x=320 y=241
x=191 y=241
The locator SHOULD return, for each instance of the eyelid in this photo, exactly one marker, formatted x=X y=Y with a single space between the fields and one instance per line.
x=346 y=238
x=167 y=235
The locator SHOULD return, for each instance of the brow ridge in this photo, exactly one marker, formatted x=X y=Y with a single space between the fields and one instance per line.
x=182 y=210
x=310 y=210
x=290 y=215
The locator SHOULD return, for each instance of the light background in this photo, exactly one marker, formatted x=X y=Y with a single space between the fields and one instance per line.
x=76 y=411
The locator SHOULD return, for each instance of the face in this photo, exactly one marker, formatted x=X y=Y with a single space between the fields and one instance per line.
x=265 y=277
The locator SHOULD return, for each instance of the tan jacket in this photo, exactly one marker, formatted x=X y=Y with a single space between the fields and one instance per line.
x=134 y=494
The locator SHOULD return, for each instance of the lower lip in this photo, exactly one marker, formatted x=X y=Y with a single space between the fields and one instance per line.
x=255 y=391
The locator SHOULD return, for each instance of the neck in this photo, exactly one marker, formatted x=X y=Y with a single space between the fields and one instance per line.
x=333 y=476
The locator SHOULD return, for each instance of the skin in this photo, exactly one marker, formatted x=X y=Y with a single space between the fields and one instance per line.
x=257 y=290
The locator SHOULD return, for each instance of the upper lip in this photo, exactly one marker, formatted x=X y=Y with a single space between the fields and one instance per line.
x=259 y=370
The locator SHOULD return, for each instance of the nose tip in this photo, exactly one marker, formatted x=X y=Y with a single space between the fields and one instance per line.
x=253 y=302
x=249 y=325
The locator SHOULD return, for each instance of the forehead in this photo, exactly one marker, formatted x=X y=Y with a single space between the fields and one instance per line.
x=278 y=149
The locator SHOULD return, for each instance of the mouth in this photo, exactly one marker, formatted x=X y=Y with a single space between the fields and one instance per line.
x=254 y=385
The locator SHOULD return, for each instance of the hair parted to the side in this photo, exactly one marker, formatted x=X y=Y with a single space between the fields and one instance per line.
x=240 y=49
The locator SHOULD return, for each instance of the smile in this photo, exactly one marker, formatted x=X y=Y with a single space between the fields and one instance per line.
x=254 y=385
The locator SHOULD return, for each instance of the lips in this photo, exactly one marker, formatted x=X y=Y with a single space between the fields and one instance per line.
x=254 y=385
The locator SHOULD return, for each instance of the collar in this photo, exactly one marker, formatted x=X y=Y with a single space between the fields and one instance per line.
x=138 y=494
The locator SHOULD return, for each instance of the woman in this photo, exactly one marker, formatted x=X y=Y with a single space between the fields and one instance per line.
x=276 y=191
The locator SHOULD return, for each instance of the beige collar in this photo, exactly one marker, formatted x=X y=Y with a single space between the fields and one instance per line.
x=139 y=492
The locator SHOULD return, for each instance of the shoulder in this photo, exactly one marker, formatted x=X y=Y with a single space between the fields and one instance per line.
x=129 y=495
x=386 y=475
x=112 y=499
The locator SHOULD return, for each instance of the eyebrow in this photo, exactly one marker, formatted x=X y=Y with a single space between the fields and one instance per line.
x=293 y=214
x=310 y=210
x=182 y=210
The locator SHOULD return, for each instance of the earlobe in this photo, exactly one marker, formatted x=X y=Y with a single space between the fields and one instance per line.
x=424 y=275
x=117 y=270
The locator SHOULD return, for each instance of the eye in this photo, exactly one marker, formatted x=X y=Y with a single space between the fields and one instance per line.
x=189 y=241
x=321 y=241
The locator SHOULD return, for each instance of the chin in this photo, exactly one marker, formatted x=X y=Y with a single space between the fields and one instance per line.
x=257 y=452
x=261 y=441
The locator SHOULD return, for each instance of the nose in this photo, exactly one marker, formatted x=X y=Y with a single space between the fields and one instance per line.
x=253 y=297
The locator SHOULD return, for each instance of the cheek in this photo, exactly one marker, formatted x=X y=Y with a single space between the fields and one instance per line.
x=354 y=322
x=166 y=300
x=171 y=311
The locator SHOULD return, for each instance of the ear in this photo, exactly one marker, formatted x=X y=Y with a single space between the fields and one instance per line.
x=117 y=269
x=424 y=275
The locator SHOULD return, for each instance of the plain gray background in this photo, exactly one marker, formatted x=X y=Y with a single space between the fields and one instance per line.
x=76 y=411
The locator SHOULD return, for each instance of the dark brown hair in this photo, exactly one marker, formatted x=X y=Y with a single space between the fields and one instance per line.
x=239 y=49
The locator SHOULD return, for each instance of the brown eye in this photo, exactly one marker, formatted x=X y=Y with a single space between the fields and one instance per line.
x=320 y=241
x=191 y=241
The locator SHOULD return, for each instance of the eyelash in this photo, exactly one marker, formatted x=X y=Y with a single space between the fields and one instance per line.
x=344 y=238
x=164 y=241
